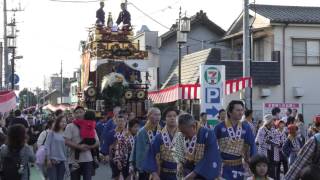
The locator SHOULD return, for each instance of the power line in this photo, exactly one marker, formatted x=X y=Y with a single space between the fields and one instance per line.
x=149 y=16
x=71 y=1
x=162 y=10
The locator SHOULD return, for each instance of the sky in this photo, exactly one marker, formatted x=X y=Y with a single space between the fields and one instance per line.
x=51 y=31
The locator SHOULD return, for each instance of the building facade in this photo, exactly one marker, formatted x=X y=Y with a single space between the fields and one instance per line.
x=291 y=36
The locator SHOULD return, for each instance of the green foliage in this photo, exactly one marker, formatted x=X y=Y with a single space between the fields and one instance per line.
x=27 y=99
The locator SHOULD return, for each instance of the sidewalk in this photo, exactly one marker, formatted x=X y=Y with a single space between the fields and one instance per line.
x=36 y=174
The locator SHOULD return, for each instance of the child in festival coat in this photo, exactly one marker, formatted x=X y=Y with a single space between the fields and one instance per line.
x=259 y=167
x=87 y=128
x=293 y=144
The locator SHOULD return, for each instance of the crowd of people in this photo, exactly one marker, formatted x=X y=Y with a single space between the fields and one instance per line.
x=167 y=145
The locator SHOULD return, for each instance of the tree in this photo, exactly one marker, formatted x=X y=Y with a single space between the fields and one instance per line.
x=27 y=98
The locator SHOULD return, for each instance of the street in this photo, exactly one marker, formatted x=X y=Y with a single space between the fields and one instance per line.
x=103 y=173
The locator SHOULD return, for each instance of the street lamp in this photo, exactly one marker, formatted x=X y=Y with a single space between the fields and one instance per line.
x=182 y=31
x=11 y=40
x=184 y=25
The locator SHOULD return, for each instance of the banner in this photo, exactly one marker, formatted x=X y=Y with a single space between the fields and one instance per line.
x=267 y=107
x=212 y=80
x=8 y=101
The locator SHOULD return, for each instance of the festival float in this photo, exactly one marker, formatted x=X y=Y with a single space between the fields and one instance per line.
x=110 y=72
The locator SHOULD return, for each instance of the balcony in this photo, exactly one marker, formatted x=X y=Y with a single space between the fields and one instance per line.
x=264 y=72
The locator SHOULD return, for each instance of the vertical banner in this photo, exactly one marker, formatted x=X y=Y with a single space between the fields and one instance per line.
x=212 y=80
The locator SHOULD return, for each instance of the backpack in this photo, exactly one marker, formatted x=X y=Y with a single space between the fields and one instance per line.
x=12 y=166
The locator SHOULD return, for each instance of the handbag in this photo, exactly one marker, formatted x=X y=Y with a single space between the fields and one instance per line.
x=41 y=152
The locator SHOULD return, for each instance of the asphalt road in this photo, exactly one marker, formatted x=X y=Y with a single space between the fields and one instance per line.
x=102 y=173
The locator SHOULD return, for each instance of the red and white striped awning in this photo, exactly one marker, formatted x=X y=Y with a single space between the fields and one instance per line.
x=192 y=91
x=235 y=85
x=173 y=93
x=8 y=101
x=63 y=107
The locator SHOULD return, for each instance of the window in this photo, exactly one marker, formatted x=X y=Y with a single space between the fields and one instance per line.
x=306 y=52
x=258 y=50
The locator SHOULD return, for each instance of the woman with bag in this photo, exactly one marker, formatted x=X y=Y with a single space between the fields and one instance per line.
x=41 y=152
x=16 y=155
x=56 y=150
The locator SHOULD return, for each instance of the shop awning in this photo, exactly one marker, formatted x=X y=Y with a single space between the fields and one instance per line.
x=192 y=91
x=63 y=107
x=8 y=101
x=173 y=93
x=235 y=85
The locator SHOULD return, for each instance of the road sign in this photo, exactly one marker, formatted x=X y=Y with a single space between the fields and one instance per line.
x=212 y=79
x=16 y=79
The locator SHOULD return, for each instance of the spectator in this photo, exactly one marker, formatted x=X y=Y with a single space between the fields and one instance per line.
x=269 y=145
x=100 y=126
x=309 y=155
x=248 y=114
x=222 y=115
x=56 y=150
x=70 y=118
x=73 y=138
x=134 y=127
x=41 y=148
x=288 y=114
x=292 y=145
x=294 y=113
x=280 y=125
x=87 y=128
x=259 y=167
x=132 y=116
x=9 y=119
x=19 y=120
x=143 y=139
x=58 y=113
x=311 y=172
x=302 y=132
x=204 y=120
x=315 y=128
x=120 y=148
x=3 y=139
x=3 y=128
x=44 y=134
x=111 y=124
x=276 y=113
x=16 y=153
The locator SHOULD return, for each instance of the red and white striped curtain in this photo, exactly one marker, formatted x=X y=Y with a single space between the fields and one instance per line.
x=192 y=91
x=235 y=85
x=171 y=94
x=8 y=101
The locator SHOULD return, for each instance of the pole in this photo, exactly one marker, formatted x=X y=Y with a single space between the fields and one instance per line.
x=12 y=68
x=5 y=43
x=1 y=61
x=61 y=84
x=179 y=62
x=246 y=52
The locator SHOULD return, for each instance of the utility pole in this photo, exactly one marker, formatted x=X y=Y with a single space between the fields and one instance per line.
x=6 y=39
x=61 y=84
x=1 y=62
x=12 y=68
x=246 y=52
x=5 y=43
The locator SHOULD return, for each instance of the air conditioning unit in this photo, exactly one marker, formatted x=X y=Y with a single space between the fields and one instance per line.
x=265 y=92
x=298 y=92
